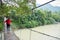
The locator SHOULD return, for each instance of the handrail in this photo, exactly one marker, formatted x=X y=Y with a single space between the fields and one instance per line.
x=44 y=34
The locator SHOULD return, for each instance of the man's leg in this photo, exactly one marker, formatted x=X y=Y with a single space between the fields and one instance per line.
x=8 y=28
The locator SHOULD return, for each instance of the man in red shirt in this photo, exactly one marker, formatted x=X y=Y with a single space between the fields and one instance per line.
x=8 y=22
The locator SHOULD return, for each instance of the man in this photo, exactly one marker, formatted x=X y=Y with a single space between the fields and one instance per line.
x=8 y=22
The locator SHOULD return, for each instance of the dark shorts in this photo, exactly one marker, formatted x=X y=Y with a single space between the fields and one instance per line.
x=8 y=27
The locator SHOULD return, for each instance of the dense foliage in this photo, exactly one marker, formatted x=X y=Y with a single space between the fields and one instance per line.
x=37 y=18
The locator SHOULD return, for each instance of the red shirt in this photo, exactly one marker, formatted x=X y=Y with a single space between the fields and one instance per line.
x=8 y=21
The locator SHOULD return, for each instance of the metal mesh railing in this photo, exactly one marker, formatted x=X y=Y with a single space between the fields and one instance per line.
x=53 y=37
x=29 y=34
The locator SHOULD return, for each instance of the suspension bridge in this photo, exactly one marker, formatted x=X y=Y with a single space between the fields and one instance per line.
x=11 y=35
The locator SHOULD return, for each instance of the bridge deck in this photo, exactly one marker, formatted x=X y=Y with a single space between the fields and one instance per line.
x=9 y=35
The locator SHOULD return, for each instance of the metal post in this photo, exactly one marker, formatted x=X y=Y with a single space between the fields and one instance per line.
x=30 y=35
x=20 y=35
x=2 y=36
